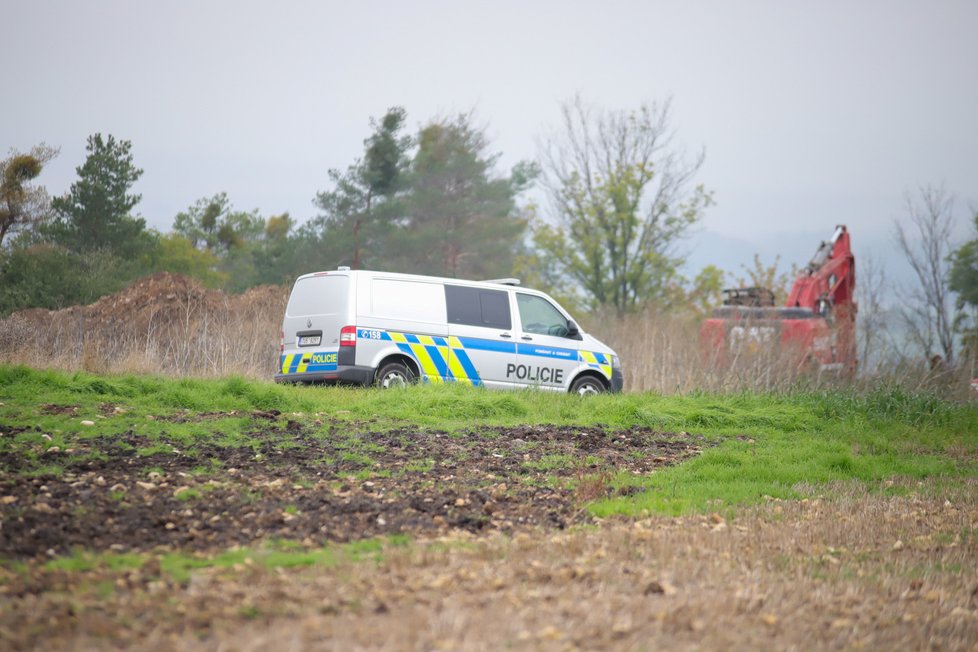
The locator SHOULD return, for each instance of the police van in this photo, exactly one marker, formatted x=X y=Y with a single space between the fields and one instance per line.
x=364 y=327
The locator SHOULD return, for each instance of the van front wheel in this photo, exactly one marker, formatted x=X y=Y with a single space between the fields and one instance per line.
x=394 y=374
x=586 y=386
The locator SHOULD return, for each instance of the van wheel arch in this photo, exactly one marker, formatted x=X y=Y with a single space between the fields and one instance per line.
x=406 y=361
x=589 y=382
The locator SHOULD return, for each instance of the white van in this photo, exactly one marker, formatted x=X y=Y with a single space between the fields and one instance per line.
x=367 y=327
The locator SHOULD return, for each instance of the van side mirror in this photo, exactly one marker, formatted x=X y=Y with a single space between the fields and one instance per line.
x=572 y=329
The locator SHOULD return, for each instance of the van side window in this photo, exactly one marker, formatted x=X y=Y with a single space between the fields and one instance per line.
x=478 y=307
x=540 y=316
x=408 y=300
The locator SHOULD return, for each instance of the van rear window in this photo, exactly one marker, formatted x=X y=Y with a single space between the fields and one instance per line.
x=478 y=307
x=318 y=295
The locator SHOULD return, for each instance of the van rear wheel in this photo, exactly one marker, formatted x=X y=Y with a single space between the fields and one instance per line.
x=394 y=374
x=587 y=386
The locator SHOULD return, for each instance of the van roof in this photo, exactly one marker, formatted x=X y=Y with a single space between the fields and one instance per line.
x=506 y=282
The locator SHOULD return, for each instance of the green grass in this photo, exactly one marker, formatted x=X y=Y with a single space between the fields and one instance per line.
x=274 y=554
x=761 y=444
x=870 y=438
x=551 y=462
x=448 y=407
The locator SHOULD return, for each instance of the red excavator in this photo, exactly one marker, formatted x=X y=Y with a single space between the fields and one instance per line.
x=816 y=327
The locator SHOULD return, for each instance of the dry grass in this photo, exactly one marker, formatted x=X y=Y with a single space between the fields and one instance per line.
x=172 y=328
x=663 y=354
x=212 y=336
x=801 y=575
x=170 y=325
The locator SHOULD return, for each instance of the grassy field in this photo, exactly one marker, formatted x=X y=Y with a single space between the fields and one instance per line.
x=765 y=445
x=278 y=494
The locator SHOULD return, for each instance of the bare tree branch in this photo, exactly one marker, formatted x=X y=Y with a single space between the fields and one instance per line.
x=926 y=244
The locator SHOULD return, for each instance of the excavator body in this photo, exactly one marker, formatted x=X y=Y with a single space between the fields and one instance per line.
x=815 y=329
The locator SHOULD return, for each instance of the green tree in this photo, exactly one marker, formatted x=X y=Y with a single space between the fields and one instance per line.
x=357 y=214
x=461 y=218
x=244 y=249
x=770 y=277
x=22 y=204
x=96 y=211
x=706 y=291
x=272 y=257
x=963 y=280
x=50 y=276
x=213 y=225
x=622 y=197
x=179 y=255
x=275 y=260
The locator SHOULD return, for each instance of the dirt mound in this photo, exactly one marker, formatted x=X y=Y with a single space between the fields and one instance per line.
x=160 y=298
x=152 y=302
x=165 y=323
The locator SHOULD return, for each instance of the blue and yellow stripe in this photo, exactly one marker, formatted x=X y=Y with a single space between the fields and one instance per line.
x=439 y=358
x=445 y=359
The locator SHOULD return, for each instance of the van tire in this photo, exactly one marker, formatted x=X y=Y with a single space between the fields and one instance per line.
x=394 y=374
x=587 y=386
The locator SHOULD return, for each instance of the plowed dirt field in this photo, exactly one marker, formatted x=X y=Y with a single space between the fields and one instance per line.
x=348 y=538
x=292 y=485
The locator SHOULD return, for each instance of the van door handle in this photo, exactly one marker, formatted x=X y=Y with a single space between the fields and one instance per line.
x=505 y=335
x=526 y=337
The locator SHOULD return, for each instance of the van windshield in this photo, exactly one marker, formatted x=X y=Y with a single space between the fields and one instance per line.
x=318 y=295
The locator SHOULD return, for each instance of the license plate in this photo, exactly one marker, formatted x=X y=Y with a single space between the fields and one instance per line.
x=310 y=340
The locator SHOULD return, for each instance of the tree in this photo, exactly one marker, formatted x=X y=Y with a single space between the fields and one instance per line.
x=872 y=323
x=179 y=255
x=460 y=217
x=356 y=215
x=23 y=205
x=964 y=281
x=95 y=213
x=92 y=234
x=50 y=276
x=244 y=248
x=441 y=210
x=768 y=276
x=271 y=257
x=213 y=225
x=926 y=305
x=622 y=197
x=706 y=290
x=274 y=258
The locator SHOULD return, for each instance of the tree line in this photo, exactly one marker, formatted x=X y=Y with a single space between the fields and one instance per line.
x=432 y=201
x=621 y=195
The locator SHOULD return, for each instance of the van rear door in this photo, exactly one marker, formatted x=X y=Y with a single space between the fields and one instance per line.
x=319 y=306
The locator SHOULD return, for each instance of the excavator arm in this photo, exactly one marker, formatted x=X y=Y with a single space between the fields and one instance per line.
x=828 y=282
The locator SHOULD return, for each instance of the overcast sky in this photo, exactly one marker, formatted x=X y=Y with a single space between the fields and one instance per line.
x=810 y=113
